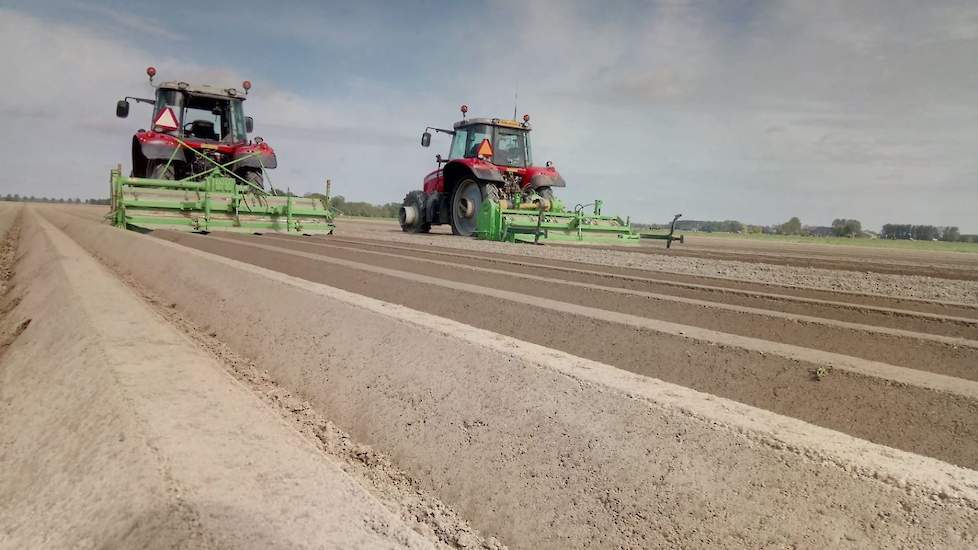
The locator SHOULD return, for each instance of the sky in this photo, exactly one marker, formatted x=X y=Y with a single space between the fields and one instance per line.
x=729 y=109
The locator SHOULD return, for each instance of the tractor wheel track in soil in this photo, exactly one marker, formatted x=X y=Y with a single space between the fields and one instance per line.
x=837 y=309
x=686 y=284
x=951 y=356
x=891 y=268
x=884 y=305
x=922 y=412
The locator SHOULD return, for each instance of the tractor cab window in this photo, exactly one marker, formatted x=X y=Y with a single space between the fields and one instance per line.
x=512 y=148
x=467 y=139
x=169 y=98
x=237 y=121
x=207 y=118
x=202 y=117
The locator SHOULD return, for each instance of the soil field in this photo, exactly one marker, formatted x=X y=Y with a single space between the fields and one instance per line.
x=468 y=394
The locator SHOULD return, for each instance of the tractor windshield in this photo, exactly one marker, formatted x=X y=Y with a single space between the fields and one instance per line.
x=511 y=146
x=467 y=139
x=204 y=117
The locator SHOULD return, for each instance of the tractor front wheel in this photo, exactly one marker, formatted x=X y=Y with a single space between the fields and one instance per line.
x=411 y=215
x=466 y=201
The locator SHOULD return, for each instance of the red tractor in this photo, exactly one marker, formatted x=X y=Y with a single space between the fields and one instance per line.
x=193 y=129
x=489 y=159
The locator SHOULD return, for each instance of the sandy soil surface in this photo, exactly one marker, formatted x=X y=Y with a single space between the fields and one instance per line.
x=117 y=431
x=559 y=402
x=894 y=282
x=854 y=253
x=756 y=371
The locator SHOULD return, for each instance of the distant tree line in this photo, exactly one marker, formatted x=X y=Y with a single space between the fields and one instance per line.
x=841 y=227
x=58 y=200
x=905 y=231
x=725 y=226
x=359 y=208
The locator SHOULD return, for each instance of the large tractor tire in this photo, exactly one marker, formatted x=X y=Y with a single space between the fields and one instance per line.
x=255 y=178
x=411 y=215
x=466 y=201
x=545 y=193
x=161 y=170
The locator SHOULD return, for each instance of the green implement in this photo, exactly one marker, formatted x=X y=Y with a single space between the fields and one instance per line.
x=215 y=199
x=215 y=203
x=539 y=220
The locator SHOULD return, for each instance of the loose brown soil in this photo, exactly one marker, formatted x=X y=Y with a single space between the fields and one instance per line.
x=548 y=397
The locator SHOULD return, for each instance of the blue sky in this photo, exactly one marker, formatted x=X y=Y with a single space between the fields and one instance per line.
x=747 y=110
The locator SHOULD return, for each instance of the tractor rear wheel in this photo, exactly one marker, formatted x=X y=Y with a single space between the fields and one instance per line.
x=465 y=204
x=411 y=215
x=255 y=178
x=161 y=170
x=490 y=193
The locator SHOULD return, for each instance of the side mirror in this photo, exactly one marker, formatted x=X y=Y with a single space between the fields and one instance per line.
x=249 y=124
x=122 y=108
x=426 y=139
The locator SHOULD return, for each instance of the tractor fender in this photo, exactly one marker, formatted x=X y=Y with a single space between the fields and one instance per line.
x=262 y=152
x=155 y=146
x=543 y=177
x=458 y=170
x=148 y=146
x=545 y=180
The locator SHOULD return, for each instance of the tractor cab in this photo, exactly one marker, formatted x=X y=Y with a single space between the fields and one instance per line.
x=200 y=113
x=502 y=142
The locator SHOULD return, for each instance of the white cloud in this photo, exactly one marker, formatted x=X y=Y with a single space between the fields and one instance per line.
x=116 y=18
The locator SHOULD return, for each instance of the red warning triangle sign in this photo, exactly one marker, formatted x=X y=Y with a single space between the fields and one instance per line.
x=485 y=149
x=166 y=120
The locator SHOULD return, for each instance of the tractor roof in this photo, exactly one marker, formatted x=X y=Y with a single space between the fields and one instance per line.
x=203 y=89
x=503 y=122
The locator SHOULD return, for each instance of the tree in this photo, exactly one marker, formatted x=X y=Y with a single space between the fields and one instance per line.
x=926 y=232
x=791 y=227
x=950 y=234
x=847 y=228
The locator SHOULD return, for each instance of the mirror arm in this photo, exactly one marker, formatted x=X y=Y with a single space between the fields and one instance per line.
x=439 y=130
x=140 y=100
